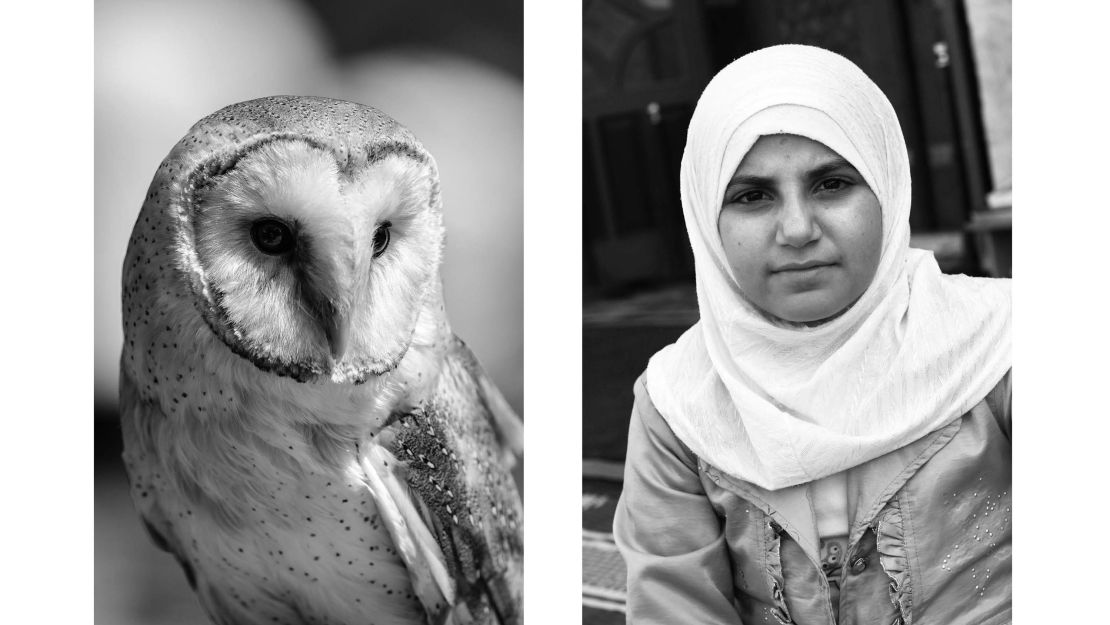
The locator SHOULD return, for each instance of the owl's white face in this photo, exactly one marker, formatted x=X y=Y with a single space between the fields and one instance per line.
x=315 y=270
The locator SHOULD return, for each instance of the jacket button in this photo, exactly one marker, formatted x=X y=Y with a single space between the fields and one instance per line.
x=859 y=565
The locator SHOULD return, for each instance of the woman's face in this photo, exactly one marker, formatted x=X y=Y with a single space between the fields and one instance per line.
x=801 y=229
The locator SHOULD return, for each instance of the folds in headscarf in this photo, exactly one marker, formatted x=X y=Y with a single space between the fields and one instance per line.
x=778 y=404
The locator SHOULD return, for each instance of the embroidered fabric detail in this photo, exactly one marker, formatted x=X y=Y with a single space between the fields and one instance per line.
x=939 y=439
x=773 y=560
x=891 y=546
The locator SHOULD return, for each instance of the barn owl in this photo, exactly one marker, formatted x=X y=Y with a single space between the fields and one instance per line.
x=302 y=429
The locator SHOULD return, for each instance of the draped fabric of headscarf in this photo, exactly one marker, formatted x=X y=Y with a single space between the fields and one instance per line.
x=779 y=404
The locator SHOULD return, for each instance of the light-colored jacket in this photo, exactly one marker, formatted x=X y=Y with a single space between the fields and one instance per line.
x=929 y=540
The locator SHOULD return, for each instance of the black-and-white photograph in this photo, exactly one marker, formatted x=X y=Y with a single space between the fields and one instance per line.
x=796 y=312
x=308 y=312
x=757 y=306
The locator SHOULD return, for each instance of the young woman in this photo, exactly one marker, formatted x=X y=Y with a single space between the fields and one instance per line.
x=830 y=443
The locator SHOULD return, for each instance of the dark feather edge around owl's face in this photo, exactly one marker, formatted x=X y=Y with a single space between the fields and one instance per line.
x=216 y=316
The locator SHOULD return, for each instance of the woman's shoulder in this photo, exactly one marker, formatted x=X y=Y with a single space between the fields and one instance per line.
x=647 y=419
x=999 y=396
x=643 y=407
x=999 y=399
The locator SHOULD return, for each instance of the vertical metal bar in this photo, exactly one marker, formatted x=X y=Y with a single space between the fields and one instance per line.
x=966 y=99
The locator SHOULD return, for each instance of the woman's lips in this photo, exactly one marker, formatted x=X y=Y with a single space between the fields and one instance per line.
x=806 y=276
x=808 y=266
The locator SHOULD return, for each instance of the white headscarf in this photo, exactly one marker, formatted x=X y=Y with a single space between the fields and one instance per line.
x=779 y=405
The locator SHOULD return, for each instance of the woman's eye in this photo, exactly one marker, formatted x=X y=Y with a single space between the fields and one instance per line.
x=747 y=197
x=272 y=236
x=832 y=184
x=381 y=238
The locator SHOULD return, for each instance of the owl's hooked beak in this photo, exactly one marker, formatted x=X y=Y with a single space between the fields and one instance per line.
x=328 y=281
x=337 y=328
x=334 y=320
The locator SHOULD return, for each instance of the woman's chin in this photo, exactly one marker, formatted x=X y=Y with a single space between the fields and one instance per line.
x=809 y=308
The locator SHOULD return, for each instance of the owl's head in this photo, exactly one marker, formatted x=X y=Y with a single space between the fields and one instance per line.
x=311 y=234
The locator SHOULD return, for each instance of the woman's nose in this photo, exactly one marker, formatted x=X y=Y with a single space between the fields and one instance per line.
x=797 y=226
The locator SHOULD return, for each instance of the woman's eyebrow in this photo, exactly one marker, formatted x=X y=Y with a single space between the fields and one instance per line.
x=750 y=180
x=823 y=169
x=830 y=166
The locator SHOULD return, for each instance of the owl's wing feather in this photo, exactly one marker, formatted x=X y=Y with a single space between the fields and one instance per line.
x=443 y=465
x=507 y=424
x=409 y=530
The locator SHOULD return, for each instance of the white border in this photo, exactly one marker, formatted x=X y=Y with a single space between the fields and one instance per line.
x=47 y=320
x=1062 y=222
x=553 y=311
x=1061 y=345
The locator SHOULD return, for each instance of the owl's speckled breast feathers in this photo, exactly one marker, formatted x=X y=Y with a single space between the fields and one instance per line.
x=302 y=429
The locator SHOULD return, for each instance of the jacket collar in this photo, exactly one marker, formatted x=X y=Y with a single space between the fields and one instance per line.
x=870 y=487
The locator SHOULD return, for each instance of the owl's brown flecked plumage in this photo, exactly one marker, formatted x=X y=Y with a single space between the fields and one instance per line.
x=247 y=423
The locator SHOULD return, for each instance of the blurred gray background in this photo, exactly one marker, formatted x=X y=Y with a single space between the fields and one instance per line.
x=451 y=72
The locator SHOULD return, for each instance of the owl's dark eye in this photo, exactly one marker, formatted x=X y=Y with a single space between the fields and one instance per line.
x=272 y=237
x=381 y=238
